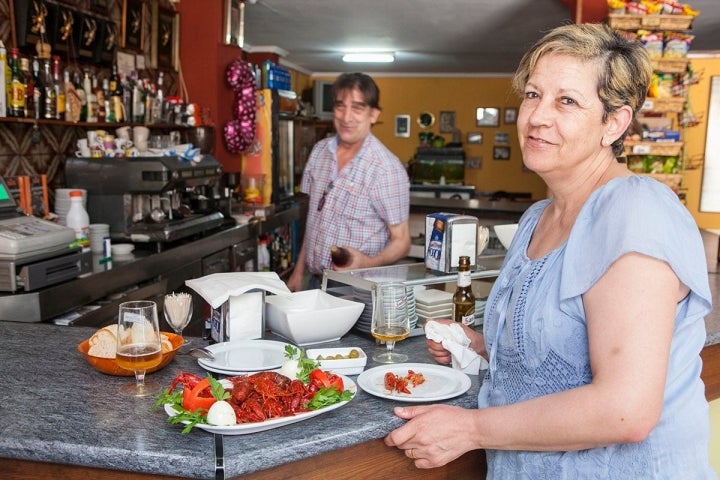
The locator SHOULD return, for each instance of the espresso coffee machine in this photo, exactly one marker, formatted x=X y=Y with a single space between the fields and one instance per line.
x=150 y=199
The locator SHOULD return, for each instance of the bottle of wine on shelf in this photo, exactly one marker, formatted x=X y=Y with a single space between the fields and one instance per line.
x=50 y=96
x=116 y=97
x=464 y=298
x=59 y=87
x=16 y=105
x=38 y=89
x=29 y=88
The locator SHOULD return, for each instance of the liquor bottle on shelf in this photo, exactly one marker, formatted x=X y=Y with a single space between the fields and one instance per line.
x=464 y=298
x=157 y=114
x=73 y=104
x=59 y=87
x=90 y=99
x=49 y=95
x=38 y=89
x=16 y=106
x=29 y=88
x=116 y=97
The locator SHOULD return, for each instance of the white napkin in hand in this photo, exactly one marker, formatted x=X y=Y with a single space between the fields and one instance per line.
x=455 y=341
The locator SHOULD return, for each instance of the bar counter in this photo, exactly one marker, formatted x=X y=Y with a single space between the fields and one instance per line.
x=60 y=411
x=63 y=419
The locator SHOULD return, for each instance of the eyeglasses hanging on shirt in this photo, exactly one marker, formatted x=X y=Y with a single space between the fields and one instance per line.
x=321 y=203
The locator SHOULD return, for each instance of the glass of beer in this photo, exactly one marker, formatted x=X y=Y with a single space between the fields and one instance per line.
x=138 y=345
x=390 y=320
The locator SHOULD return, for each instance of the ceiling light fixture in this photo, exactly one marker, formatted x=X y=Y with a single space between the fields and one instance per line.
x=368 y=57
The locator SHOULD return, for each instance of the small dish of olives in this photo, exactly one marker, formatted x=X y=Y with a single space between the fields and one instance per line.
x=345 y=361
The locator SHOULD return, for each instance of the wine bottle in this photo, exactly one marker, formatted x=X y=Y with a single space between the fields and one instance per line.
x=59 y=87
x=49 y=94
x=16 y=105
x=464 y=298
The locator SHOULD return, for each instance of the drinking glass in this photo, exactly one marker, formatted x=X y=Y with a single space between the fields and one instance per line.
x=178 y=311
x=138 y=345
x=390 y=321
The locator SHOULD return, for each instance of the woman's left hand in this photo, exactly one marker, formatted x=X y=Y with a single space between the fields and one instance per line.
x=434 y=434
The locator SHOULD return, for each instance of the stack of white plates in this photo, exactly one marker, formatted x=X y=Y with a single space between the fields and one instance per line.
x=433 y=303
x=62 y=202
x=364 y=323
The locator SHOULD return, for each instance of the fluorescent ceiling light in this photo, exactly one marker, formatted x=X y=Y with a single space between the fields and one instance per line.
x=368 y=57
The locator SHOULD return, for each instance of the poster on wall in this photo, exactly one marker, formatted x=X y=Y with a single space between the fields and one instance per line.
x=133 y=19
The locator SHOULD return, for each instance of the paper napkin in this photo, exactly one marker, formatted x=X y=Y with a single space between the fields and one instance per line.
x=454 y=340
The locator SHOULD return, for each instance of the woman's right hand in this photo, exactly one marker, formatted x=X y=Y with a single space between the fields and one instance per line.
x=442 y=356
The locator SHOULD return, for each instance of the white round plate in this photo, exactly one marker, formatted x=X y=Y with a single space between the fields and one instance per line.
x=440 y=383
x=245 y=428
x=235 y=358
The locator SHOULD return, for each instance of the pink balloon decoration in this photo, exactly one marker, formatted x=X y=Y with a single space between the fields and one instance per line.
x=240 y=132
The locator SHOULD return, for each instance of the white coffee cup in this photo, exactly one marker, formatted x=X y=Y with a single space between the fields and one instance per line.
x=140 y=137
x=93 y=138
x=83 y=148
x=123 y=132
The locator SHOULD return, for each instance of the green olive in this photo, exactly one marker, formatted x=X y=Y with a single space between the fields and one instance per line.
x=353 y=353
x=319 y=357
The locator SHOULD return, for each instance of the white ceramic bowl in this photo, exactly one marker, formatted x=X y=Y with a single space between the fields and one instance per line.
x=312 y=316
x=122 y=248
x=505 y=233
x=341 y=366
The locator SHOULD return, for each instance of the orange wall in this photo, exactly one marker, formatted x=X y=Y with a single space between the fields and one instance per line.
x=695 y=139
x=414 y=95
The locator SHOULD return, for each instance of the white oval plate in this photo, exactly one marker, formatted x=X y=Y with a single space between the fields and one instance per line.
x=440 y=383
x=245 y=428
x=235 y=358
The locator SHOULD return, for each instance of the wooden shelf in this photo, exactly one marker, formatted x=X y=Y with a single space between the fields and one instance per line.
x=103 y=125
x=664 y=105
x=630 y=21
x=668 y=149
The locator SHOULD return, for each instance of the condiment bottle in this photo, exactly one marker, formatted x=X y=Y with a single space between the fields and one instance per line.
x=464 y=298
x=78 y=219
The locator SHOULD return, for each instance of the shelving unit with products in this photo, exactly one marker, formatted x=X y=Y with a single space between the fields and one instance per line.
x=657 y=149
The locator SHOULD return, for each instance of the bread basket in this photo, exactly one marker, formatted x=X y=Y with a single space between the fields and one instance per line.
x=108 y=366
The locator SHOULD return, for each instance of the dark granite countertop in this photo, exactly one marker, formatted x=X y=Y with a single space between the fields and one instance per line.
x=56 y=408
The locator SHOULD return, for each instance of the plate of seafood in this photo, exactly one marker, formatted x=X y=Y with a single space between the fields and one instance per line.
x=414 y=382
x=235 y=358
x=261 y=426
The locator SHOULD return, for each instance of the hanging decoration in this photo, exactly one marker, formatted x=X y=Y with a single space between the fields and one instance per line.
x=240 y=131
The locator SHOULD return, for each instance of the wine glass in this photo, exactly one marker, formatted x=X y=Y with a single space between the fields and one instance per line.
x=390 y=321
x=138 y=345
x=178 y=311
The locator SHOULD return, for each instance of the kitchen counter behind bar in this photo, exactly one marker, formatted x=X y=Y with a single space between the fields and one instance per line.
x=58 y=409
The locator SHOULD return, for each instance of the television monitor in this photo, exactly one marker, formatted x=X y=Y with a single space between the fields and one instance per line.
x=323 y=100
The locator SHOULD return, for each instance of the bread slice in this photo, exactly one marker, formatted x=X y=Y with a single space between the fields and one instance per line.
x=103 y=343
x=165 y=342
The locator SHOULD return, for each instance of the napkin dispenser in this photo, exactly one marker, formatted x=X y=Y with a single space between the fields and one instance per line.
x=449 y=236
x=237 y=302
x=240 y=317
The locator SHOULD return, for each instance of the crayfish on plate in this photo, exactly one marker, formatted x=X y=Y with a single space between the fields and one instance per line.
x=396 y=383
x=254 y=398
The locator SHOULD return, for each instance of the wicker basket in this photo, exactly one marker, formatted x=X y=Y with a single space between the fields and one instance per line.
x=670 y=65
x=669 y=149
x=628 y=21
x=672 y=180
x=664 y=105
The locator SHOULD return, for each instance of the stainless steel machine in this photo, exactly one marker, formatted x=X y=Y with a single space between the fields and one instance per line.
x=151 y=199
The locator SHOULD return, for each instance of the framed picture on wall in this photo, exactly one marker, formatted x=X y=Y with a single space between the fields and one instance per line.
x=235 y=22
x=510 y=116
x=475 y=137
x=501 y=153
x=166 y=41
x=447 y=122
x=487 y=117
x=402 y=126
x=133 y=19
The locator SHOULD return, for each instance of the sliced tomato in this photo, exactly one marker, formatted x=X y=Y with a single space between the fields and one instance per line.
x=324 y=379
x=198 y=397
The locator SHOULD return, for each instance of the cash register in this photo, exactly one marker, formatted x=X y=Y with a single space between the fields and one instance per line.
x=34 y=252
